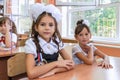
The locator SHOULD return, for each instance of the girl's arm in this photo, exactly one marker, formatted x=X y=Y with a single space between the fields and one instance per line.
x=86 y=59
x=1 y=48
x=105 y=63
x=60 y=69
x=66 y=56
x=8 y=39
x=54 y=71
x=100 y=53
x=89 y=58
x=37 y=71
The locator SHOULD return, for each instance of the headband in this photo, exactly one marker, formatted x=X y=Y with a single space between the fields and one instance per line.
x=37 y=9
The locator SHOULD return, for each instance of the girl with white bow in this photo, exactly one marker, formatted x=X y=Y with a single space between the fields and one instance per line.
x=84 y=51
x=45 y=44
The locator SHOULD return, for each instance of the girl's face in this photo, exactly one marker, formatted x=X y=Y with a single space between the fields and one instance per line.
x=46 y=27
x=83 y=37
x=4 y=27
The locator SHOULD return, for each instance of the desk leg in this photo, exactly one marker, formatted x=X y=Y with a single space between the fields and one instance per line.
x=3 y=68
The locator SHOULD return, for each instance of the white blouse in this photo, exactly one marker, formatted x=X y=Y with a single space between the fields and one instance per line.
x=13 y=36
x=77 y=49
x=48 y=48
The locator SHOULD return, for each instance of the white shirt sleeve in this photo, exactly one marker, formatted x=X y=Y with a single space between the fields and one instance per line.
x=76 y=49
x=61 y=44
x=14 y=38
x=30 y=47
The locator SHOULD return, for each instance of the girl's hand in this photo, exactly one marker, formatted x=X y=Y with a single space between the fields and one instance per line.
x=8 y=26
x=68 y=64
x=105 y=64
x=87 y=48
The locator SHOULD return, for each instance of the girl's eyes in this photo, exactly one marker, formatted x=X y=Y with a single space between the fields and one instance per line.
x=2 y=25
x=51 y=24
x=83 y=34
x=86 y=34
x=44 y=24
x=80 y=34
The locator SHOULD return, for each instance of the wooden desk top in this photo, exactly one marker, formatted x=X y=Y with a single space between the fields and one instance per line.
x=11 y=52
x=90 y=72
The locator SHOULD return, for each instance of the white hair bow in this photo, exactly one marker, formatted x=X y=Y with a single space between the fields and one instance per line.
x=86 y=22
x=37 y=9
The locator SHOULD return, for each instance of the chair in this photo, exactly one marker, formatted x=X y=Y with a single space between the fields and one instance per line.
x=16 y=66
x=68 y=49
x=21 y=42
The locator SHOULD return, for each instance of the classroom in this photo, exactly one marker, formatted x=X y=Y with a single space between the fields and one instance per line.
x=24 y=57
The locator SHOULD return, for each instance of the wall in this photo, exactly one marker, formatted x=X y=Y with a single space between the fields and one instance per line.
x=110 y=50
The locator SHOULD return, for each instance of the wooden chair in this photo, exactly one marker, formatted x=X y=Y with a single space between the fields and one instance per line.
x=21 y=42
x=68 y=49
x=16 y=66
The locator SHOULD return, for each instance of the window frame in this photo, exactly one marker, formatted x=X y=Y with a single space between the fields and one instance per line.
x=18 y=15
x=98 y=39
x=67 y=3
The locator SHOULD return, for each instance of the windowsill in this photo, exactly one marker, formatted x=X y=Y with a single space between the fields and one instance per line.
x=114 y=43
x=96 y=42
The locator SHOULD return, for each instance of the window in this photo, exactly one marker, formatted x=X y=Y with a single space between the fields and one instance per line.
x=104 y=21
x=20 y=14
x=108 y=1
x=75 y=2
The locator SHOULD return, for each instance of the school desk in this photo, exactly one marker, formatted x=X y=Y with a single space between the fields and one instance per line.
x=4 y=56
x=90 y=72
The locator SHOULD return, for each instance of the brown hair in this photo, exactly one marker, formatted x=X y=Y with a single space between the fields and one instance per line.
x=14 y=29
x=4 y=19
x=35 y=34
x=80 y=26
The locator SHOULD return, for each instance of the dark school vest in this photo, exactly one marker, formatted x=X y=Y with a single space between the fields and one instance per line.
x=48 y=57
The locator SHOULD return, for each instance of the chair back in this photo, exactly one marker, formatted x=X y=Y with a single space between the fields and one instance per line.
x=16 y=65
